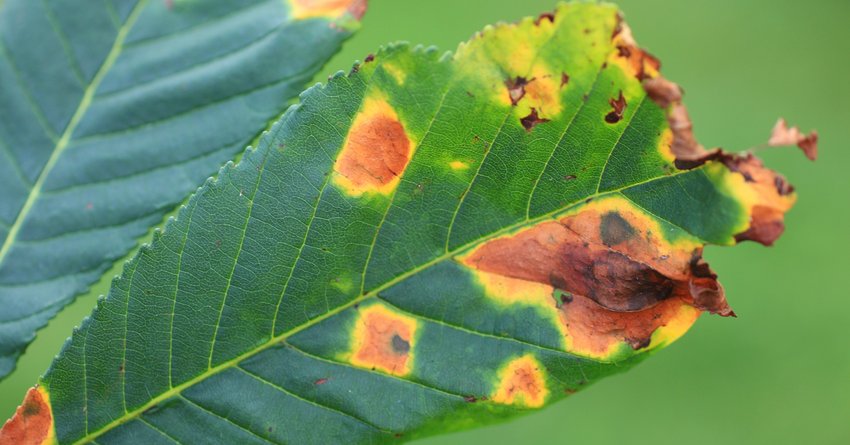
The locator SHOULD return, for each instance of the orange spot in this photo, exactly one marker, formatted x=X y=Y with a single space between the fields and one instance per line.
x=458 y=165
x=302 y=9
x=32 y=423
x=375 y=153
x=521 y=382
x=383 y=340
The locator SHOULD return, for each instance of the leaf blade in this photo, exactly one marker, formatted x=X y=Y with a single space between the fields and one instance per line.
x=127 y=82
x=464 y=335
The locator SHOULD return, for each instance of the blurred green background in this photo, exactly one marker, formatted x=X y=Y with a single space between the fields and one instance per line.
x=780 y=373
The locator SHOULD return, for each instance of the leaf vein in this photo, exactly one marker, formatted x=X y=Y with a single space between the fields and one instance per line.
x=312 y=402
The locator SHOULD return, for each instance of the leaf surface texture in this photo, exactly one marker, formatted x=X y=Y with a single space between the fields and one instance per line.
x=114 y=111
x=427 y=244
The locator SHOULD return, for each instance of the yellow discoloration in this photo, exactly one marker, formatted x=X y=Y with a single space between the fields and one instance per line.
x=504 y=52
x=344 y=284
x=384 y=340
x=395 y=72
x=376 y=151
x=303 y=9
x=458 y=165
x=508 y=291
x=634 y=61
x=676 y=327
x=32 y=423
x=541 y=92
x=521 y=382
x=665 y=146
x=544 y=92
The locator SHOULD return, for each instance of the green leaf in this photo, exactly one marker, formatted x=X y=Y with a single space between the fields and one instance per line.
x=427 y=244
x=114 y=111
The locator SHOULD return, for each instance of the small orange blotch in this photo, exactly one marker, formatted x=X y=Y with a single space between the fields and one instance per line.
x=458 y=165
x=376 y=151
x=302 y=9
x=32 y=423
x=521 y=382
x=383 y=340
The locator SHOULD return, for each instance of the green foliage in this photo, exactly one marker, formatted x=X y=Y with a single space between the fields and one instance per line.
x=426 y=244
x=113 y=112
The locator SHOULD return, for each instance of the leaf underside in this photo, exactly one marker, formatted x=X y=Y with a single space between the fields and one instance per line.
x=424 y=245
x=113 y=112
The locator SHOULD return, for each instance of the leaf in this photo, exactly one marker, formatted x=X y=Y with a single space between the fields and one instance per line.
x=113 y=112
x=427 y=244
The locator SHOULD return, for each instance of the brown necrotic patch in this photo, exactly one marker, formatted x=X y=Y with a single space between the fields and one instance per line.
x=608 y=252
x=376 y=151
x=532 y=120
x=614 y=229
x=32 y=423
x=597 y=331
x=516 y=88
x=588 y=329
x=383 y=340
x=521 y=382
x=618 y=105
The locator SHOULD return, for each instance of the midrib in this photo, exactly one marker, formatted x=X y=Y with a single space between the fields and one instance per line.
x=283 y=336
x=65 y=139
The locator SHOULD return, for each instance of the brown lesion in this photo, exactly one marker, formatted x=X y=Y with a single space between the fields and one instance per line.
x=597 y=332
x=383 y=340
x=532 y=120
x=613 y=256
x=618 y=106
x=376 y=151
x=606 y=273
x=522 y=382
x=32 y=423
x=516 y=88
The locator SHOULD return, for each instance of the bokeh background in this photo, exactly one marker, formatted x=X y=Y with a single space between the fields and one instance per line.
x=780 y=373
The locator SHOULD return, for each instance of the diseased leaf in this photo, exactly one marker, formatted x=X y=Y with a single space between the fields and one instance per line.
x=427 y=244
x=112 y=112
